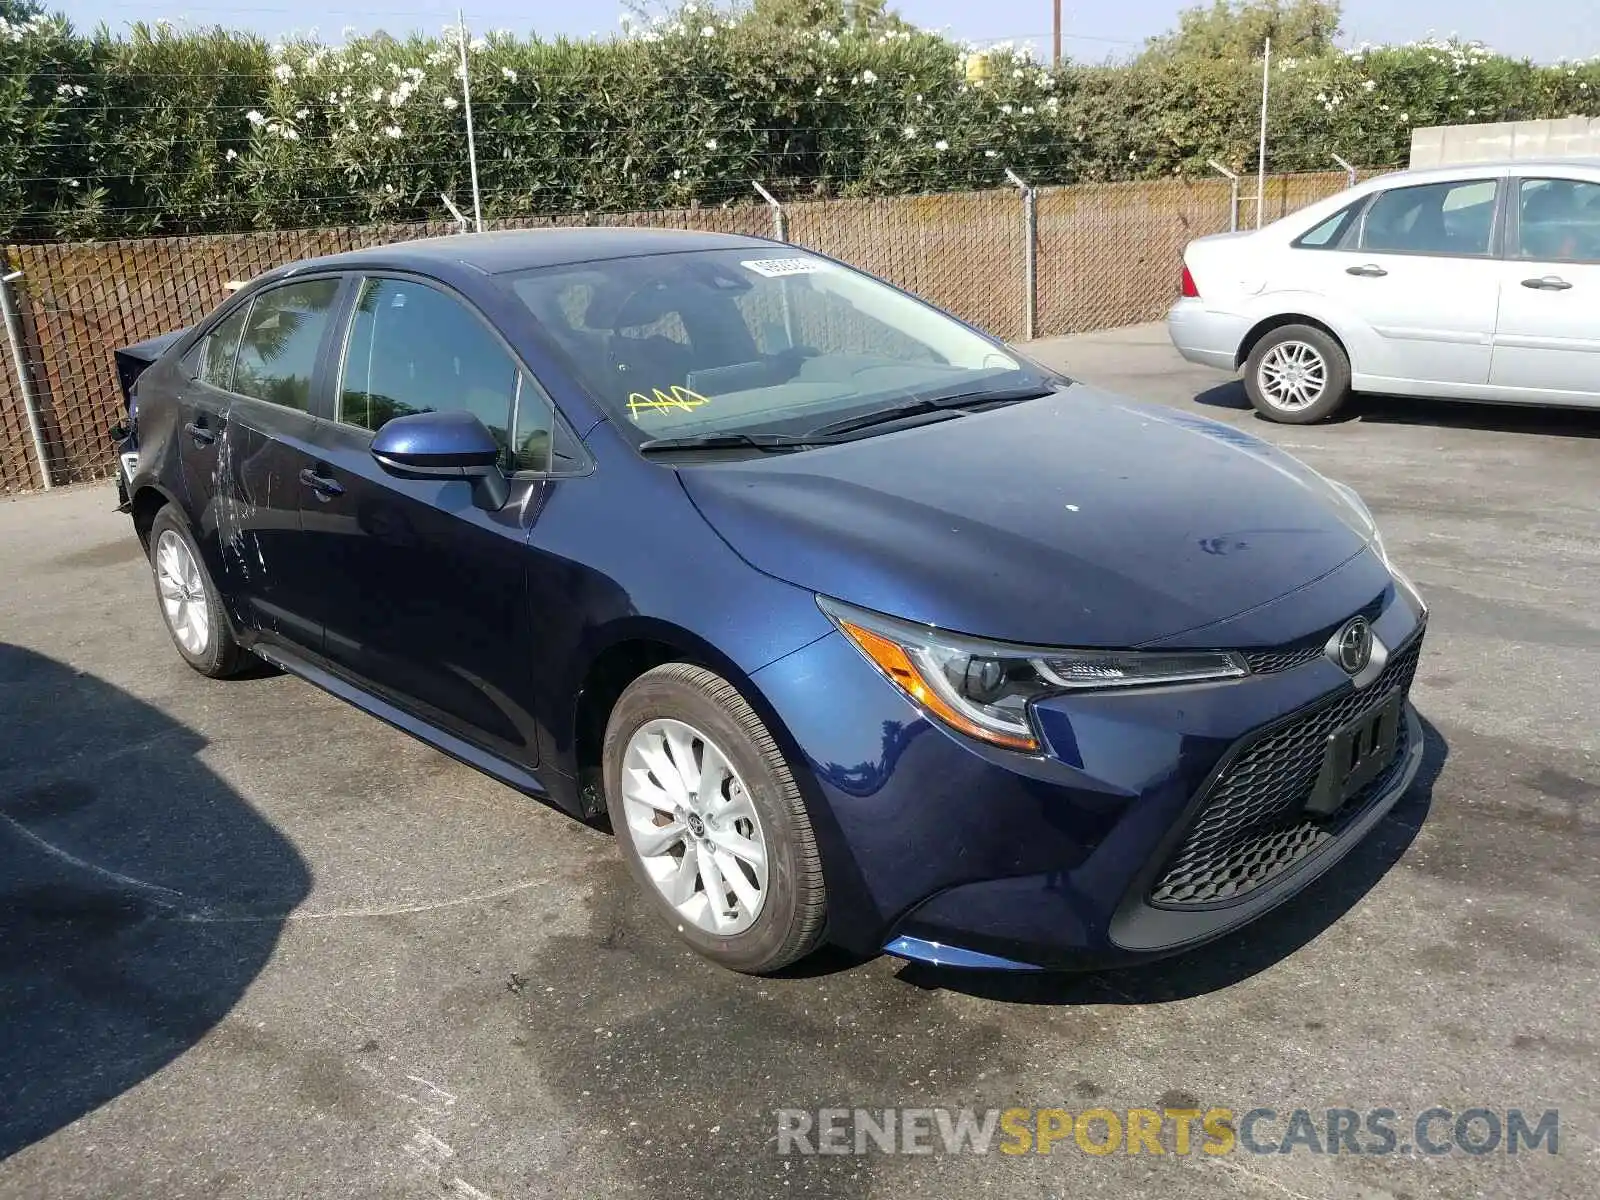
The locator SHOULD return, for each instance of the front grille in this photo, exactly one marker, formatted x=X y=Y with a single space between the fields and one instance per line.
x=1270 y=662
x=1252 y=824
x=1303 y=650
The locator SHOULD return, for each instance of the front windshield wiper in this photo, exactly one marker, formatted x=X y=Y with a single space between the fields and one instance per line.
x=767 y=442
x=919 y=405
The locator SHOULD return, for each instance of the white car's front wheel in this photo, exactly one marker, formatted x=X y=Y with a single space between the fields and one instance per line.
x=1297 y=374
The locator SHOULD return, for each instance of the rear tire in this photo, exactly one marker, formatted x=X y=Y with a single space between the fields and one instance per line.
x=710 y=822
x=1297 y=375
x=189 y=600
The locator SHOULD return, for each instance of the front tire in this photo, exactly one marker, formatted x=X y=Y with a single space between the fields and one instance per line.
x=710 y=822
x=189 y=600
x=1297 y=375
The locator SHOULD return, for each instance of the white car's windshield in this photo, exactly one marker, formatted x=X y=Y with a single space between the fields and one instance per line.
x=756 y=340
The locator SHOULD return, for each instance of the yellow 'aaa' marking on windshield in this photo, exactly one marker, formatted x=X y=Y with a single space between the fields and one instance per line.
x=678 y=398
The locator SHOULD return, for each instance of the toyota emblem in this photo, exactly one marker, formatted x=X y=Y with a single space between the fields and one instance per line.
x=1352 y=645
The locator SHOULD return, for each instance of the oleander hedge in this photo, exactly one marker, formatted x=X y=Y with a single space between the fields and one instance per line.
x=161 y=130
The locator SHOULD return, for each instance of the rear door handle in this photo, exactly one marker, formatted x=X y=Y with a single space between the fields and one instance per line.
x=201 y=435
x=325 y=488
x=1366 y=270
x=1547 y=283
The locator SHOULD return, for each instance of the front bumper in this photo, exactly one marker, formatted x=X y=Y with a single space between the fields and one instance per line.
x=1205 y=336
x=935 y=846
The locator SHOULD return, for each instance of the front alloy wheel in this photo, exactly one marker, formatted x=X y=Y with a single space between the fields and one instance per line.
x=710 y=821
x=694 y=827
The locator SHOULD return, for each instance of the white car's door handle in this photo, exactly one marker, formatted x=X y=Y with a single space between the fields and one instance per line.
x=1547 y=283
x=1366 y=270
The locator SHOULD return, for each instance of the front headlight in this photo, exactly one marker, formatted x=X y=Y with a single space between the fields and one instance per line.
x=983 y=689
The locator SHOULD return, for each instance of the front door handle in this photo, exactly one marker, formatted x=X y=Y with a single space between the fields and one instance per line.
x=1366 y=271
x=1547 y=283
x=325 y=488
x=201 y=435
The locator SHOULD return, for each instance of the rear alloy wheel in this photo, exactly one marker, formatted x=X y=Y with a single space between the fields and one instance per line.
x=189 y=600
x=1297 y=374
x=710 y=822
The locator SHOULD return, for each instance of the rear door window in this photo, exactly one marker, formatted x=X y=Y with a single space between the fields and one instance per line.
x=278 y=352
x=1446 y=219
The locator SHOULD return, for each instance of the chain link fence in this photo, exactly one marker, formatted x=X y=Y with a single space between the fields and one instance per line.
x=1107 y=255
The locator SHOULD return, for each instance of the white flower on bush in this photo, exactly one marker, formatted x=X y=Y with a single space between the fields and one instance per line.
x=677 y=174
x=708 y=31
x=450 y=102
x=508 y=73
x=941 y=145
x=1006 y=108
x=388 y=189
x=75 y=90
x=375 y=95
x=868 y=77
x=1027 y=110
x=300 y=114
x=72 y=183
x=255 y=118
x=991 y=154
x=1406 y=117
x=909 y=133
x=391 y=131
x=283 y=72
x=1472 y=112
x=1368 y=84
x=231 y=154
x=819 y=91
x=711 y=143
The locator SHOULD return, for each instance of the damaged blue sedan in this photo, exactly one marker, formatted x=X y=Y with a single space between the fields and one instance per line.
x=856 y=625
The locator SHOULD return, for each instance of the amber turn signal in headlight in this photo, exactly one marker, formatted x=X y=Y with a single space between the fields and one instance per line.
x=983 y=689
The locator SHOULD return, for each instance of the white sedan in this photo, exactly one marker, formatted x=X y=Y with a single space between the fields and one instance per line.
x=1472 y=282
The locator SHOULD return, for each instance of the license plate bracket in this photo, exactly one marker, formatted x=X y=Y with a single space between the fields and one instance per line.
x=1356 y=755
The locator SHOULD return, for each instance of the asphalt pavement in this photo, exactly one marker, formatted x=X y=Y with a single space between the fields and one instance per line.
x=256 y=944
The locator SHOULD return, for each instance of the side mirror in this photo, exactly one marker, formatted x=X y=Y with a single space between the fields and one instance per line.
x=444 y=445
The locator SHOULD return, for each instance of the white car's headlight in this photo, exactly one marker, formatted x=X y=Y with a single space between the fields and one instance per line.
x=983 y=688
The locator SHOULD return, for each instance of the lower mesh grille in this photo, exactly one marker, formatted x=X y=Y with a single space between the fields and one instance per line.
x=1252 y=825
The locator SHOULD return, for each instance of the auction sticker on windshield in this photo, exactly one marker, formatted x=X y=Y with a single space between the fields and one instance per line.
x=775 y=268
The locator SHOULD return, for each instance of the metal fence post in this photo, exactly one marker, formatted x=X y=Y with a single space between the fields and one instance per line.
x=24 y=381
x=1349 y=171
x=780 y=222
x=780 y=230
x=1030 y=256
x=1233 y=193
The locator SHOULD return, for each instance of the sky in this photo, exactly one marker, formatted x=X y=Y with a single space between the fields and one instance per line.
x=1541 y=29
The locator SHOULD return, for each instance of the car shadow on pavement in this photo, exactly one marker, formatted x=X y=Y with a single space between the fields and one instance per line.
x=1453 y=414
x=1237 y=956
x=139 y=894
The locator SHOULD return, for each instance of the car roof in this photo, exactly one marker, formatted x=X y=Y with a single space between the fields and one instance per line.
x=1499 y=166
x=524 y=249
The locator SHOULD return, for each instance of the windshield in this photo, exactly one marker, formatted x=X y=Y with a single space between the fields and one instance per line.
x=756 y=340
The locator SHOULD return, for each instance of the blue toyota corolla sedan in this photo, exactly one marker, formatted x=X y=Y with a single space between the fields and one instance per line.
x=857 y=625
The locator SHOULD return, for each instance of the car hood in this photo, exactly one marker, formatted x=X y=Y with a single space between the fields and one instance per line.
x=1078 y=519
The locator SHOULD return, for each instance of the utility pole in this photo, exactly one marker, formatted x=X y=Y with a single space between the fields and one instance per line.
x=466 y=102
x=1055 y=48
